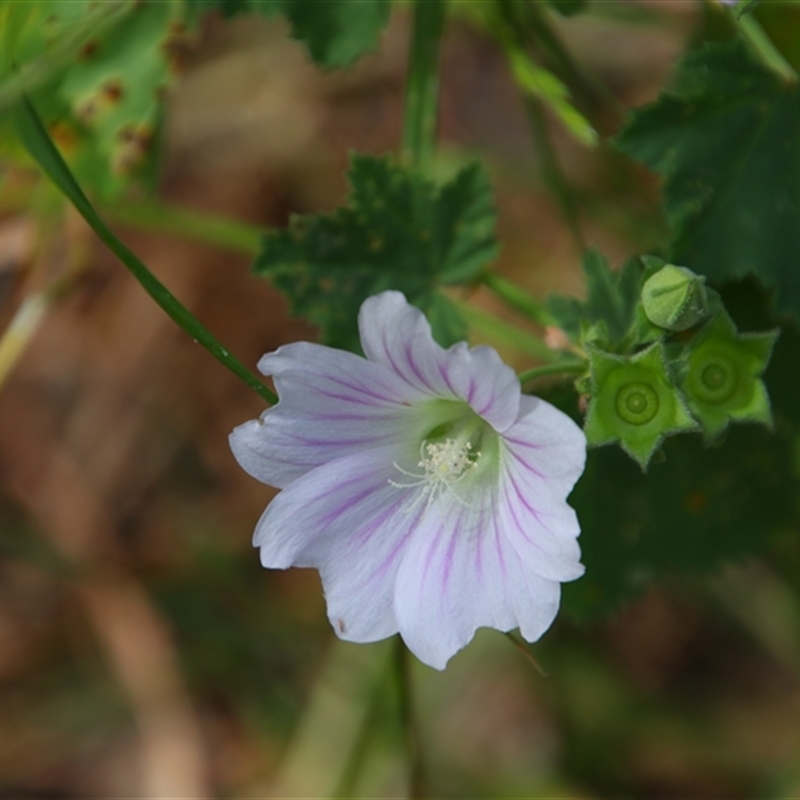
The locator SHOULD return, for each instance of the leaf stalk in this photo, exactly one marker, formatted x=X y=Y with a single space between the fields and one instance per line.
x=37 y=141
x=518 y=298
x=764 y=48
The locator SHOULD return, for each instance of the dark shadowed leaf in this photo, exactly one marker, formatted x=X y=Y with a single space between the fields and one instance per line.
x=726 y=141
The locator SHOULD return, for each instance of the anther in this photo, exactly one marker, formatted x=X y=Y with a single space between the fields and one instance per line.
x=445 y=464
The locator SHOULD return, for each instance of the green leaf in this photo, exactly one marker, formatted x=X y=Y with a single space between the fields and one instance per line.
x=97 y=74
x=337 y=32
x=39 y=41
x=397 y=231
x=747 y=7
x=634 y=402
x=113 y=93
x=612 y=298
x=725 y=140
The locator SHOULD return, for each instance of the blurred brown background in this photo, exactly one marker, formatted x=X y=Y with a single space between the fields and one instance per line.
x=145 y=653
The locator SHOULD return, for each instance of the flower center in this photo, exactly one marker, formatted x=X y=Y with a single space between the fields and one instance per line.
x=447 y=462
x=443 y=463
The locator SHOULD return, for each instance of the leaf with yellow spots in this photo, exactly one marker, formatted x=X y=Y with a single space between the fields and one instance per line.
x=396 y=231
x=96 y=73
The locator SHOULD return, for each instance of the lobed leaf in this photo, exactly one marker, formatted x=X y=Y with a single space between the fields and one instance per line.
x=336 y=33
x=397 y=231
x=725 y=139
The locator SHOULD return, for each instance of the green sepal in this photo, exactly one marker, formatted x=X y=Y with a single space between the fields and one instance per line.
x=634 y=402
x=594 y=333
x=721 y=378
x=643 y=331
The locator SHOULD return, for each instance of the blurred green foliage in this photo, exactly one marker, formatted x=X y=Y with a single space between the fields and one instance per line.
x=643 y=699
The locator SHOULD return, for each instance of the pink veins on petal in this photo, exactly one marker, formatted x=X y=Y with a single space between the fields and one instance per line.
x=430 y=493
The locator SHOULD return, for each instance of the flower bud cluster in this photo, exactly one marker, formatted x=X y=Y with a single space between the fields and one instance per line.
x=682 y=366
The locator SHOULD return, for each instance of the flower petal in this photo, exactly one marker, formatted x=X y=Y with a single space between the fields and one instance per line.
x=349 y=522
x=460 y=573
x=545 y=452
x=397 y=336
x=332 y=403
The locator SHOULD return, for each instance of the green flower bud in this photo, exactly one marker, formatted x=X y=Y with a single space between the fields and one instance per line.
x=722 y=379
x=674 y=298
x=634 y=402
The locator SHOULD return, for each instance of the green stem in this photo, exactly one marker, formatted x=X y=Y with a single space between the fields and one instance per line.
x=422 y=84
x=197 y=225
x=530 y=24
x=402 y=660
x=518 y=298
x=551 y=169
x=354 y=764
x=763 y=46
x=38 y=143
x=503 y=333
x=563 y=368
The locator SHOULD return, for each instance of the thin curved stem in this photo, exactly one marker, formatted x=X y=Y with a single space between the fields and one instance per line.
x=38 y=143
x=200 y=226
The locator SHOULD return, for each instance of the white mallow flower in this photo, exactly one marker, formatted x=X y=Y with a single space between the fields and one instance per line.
x=428 y=491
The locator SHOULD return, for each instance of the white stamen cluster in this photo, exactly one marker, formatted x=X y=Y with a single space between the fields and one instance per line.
x=445 y=464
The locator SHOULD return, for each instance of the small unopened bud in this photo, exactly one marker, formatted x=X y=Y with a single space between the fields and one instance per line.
x=675 y=298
